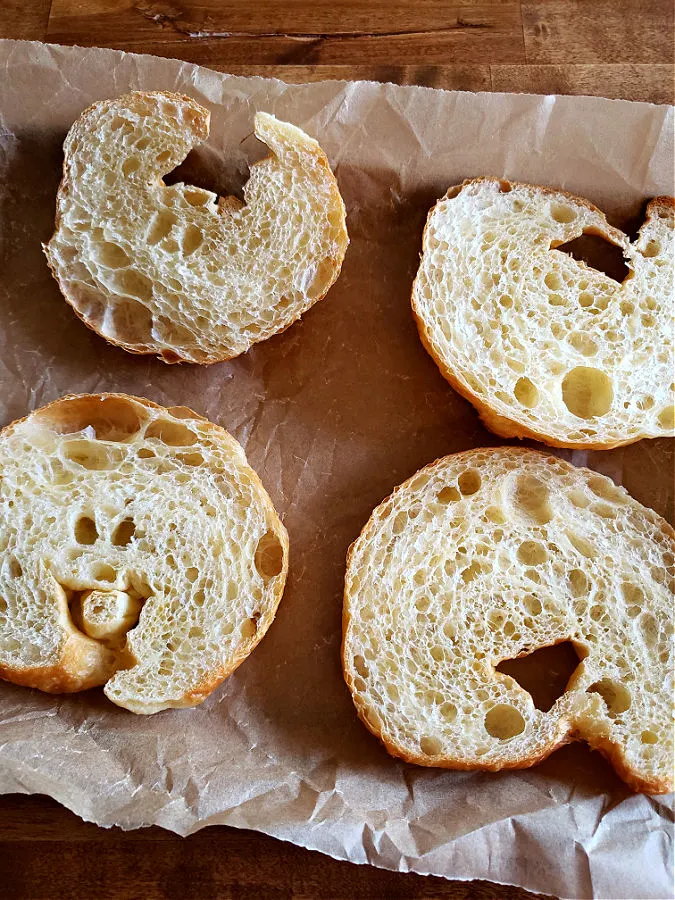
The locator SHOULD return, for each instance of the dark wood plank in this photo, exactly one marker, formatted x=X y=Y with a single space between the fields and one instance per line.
x=25 y=19
x=654 y=83
x=599 y=31
x=301 y=32
x=46 y=852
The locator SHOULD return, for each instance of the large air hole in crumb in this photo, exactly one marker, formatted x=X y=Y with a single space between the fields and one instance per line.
x=583 y=343
x=400 y=521
x=191 y=459
x=430 y=746
x=123 y=533
x=616 y=697
x=360 y=666
x=471 y=572
x=562 y=213
x=578 y=498
x=667 y=417
x=192 y=239
x=632 y=594
x=173 y=434
x=131 y=165
x=112 y=418
x=448 y=495
x=649 y=628
x=531 y=499
x=469 y=482
x=130 y=321
x=532 y=604
x=130 y=283
x=598 y=253
x=532 y=553
x=110 y=255
x=526 y=393
x=553 y=281
x=605 y=488
x=578 y=583
x=582 y=544
x=85 y=530
x=448 y=711
x=249 y=627
x=90 y=455
x=269 y=556
x=161 y=226
x=544 y=673
x=183 y=412
x=104 y=572
x=587 y=392
x=495 y=515
x=504 y=721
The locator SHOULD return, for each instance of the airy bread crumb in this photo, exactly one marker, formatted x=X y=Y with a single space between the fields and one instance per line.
x=175 y=270
x=488 y=555
x=543 y=345
x=137 y=550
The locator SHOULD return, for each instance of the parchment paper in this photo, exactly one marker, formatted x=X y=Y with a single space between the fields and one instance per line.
x=333 y=414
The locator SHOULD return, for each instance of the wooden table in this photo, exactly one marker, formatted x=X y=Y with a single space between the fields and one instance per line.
x=541 y=46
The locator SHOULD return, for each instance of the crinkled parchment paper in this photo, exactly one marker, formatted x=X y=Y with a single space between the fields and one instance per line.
x=333 y=414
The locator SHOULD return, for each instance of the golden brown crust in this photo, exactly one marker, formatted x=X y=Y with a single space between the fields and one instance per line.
x=636 y=782
x=667 y=203
x=55 y=679
x=202 y=118
x=499 y=424
x=68 y=676
x=567 y=730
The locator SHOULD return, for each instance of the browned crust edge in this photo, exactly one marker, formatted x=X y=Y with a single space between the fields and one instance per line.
x=55 y=679
x=610 y=751
x=58 y=678
x=168 y=356
x=499 y=424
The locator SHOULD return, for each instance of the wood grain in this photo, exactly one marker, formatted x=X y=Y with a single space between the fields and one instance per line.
x=25 y=20
x=579 y=31
x=620 y=81
x=322 y=31
x=46 y=852
x=607 y=48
